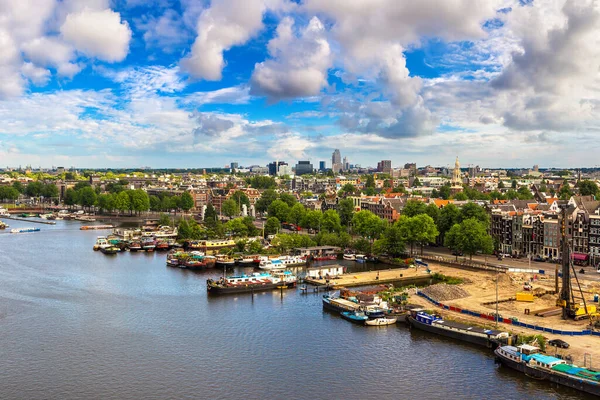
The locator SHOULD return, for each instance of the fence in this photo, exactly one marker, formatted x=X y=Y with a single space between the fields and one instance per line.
x=511 y=321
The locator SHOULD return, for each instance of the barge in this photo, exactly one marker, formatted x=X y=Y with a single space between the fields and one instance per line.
x=256 y=282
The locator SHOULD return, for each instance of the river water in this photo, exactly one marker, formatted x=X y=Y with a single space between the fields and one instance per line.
x=80 y=324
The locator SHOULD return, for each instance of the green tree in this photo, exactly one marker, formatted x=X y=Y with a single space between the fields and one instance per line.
x=461 y=196
x=186 y=202
x=70 y=198
x=445 y=192
x=114 y=187
x=472 y=210
x=418 y=229
x=210 y=214
x=500 y=185
x=81 y=185
x=367 y=224
x=513 y=184
x=347 y=190
x=230 y=208
x=86 y=196
x=106 y=202
x=417 y=182
x=511 y=194
x=50 y=190
x=262 y=182
x=345 y=208
x=122 y=201
x=288 y=199
x=449 y=215
x=241 y=198
x=399 y=189
x=565 y=192
x=370 y=182
x=237 y=227
x=165 y=220
x=496 y=195
x=392 y=241
x=312 y=219
x=587 y=188
x=433 y=211
x=34 y=189
x=279 y=209
x=267 y=197
x=524 y=193
x=139 y=200
x=8 y=193
x=331 y=222
x=296 y=214
x=414 y=207
x=155 y=203
x=272 y=226
x=470 y=236
x=18 y=186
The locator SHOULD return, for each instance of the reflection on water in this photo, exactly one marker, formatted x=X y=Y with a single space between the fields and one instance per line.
x=79 y=324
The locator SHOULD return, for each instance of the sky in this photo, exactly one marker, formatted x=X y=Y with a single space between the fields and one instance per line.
x=194 y=83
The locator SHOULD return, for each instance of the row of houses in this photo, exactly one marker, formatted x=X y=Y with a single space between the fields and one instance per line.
x=525 y=228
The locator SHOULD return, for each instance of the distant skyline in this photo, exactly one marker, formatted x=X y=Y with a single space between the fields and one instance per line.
x=190 y=83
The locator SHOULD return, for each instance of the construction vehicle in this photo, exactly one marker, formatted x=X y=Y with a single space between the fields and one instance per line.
x=527 y=286
x=571 y=298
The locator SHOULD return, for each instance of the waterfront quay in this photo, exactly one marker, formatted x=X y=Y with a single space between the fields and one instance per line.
x=396 y=276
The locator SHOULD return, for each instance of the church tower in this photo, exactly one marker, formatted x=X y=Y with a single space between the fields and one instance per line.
x=457 y=184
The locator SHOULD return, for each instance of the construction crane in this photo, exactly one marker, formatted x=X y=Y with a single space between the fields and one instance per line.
x=571 y=297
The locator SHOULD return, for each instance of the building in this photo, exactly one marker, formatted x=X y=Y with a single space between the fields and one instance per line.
x=275 y=166
x=336 y=161
x=322 y=166
x=346 y=164
x=457 y=183
x=384 y=166
x=304 y=167
x=233 y=166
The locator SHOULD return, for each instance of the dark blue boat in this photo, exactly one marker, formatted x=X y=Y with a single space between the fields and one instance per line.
x=354 y=316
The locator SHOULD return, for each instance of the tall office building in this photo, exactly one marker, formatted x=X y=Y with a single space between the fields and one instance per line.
x=322 y=166
x=336 y=161
x=384 y=166
x=304 y=167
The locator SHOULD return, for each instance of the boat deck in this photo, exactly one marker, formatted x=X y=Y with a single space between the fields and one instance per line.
x=396 y=275
x=471 y=328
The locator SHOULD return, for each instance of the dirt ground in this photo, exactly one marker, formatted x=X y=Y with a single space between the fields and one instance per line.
x=481 y=287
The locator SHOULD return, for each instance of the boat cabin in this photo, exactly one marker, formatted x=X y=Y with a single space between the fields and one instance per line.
x=325 y=270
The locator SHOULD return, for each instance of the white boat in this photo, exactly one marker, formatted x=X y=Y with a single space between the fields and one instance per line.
x=361 y=258
x=101 y=243
x=350 y=257
x=381 y=321
x=281 y=262
x=24 y=230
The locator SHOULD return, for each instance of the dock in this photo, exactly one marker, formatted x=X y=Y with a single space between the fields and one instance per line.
x=397 y=276
x=30 y=220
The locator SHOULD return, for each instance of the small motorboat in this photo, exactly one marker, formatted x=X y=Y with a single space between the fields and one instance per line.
x=361 y=258
x=110 y=250
x=381 y=321
x=24 y=230
x=354 y=316
x=350 y=257
x=374 y=312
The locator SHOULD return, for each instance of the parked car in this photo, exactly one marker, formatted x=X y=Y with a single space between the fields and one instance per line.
x=558 y=343
x=539 y=258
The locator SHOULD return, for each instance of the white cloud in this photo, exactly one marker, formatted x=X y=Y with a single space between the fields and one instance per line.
x=39 y=76
x=165 y=32
x=299 y=64
x=290 y=146
x=139 y=81
x=229 y=95
x=225 y=24
x=99 y=34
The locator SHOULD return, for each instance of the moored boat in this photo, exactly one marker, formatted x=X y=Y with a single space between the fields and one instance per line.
x=349 y=257
x=354 y=316
x=281 y=262
x=338 y=304
x=529 y=361
x=100 y=243
x=109 y=250
x=162 y=245
x=224 y=261
x=135 y=246
x=251 y=283
x=148 y=244
x=325 y=257
x=381 y=321
x=456 y=330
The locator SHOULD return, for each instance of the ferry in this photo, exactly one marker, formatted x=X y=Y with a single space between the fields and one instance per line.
x=528 y=360
x=251 y=283
x=281 y=262
x=24 y=230
x=468 y=333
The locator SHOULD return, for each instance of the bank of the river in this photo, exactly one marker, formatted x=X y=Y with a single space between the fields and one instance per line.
x=79 y=324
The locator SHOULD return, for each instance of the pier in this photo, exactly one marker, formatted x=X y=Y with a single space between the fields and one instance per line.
x=402 y=276
x=30 y=220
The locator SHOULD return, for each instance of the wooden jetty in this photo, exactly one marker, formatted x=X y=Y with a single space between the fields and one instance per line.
x=397 y=276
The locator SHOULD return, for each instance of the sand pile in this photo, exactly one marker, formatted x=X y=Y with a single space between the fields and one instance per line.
x=445 y=292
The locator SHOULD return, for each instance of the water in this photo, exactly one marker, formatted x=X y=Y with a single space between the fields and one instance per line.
x=80 y=324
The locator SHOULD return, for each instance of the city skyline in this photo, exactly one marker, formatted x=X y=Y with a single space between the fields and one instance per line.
x=184 y=84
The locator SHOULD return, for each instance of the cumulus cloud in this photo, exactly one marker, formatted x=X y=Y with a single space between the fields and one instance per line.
x=299 y=65
x=225 y=24
x=211 y=125
x=165 y=32
x=99 y=34
x=39 y=76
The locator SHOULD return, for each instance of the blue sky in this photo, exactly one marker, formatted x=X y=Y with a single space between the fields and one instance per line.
x=191 y=83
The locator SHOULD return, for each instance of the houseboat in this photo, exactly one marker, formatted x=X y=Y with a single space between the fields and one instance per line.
x=527 y=360
x=456 y=330
x=224 y=261
x=325 y=271
x=338 y=304
x=101 y=242
x=281 y=262
x=135 y=245
x=148 y=244
x=210 y=246
x=251 y=283
x=251 y=260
